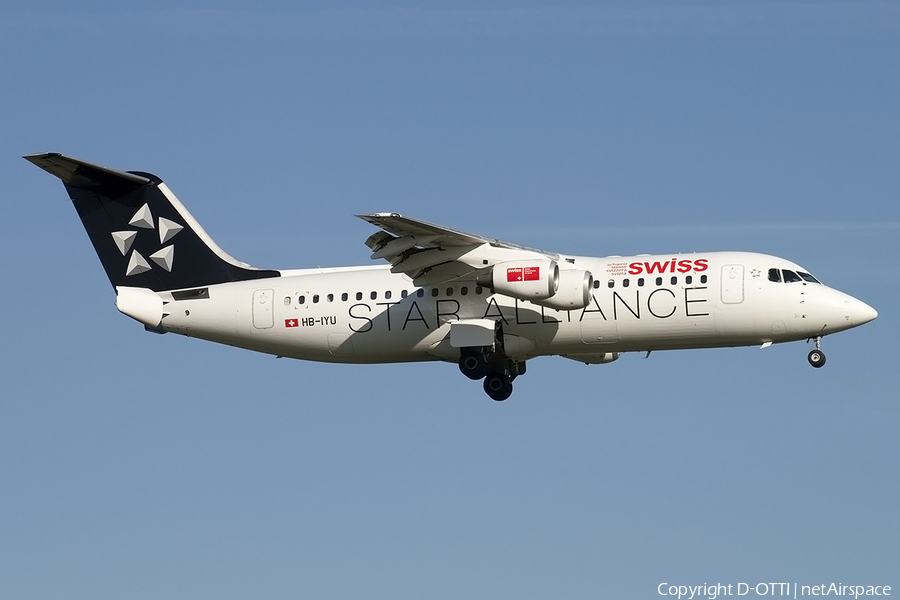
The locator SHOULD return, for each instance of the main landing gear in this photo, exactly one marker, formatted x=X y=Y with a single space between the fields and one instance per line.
x=494 y=367
x=816 y=357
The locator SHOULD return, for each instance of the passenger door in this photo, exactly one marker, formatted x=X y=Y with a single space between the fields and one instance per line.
x=732 y=284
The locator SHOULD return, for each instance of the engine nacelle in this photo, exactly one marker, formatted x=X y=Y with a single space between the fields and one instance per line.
x=523 y=279
x=574 y=291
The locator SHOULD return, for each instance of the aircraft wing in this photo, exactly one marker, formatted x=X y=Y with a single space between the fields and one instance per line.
x=431 y=254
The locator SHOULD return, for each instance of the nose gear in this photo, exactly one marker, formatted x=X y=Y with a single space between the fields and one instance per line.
x=816 y=357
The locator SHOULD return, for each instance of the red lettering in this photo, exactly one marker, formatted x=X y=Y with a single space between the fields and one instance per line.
x=669 y=266
x=657 y=267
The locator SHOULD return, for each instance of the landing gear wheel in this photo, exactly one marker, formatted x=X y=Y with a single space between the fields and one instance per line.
x=498 y=386
x=472 y=365
x=816 y=358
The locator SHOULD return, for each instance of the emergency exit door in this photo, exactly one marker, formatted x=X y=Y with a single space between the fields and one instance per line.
x=263 y=317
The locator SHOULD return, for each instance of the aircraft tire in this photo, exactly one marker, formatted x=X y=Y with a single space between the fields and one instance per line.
x=498 y=386
x=816 y=358
x=472 y=365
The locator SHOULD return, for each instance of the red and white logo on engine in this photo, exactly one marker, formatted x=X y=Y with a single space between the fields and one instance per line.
x=523 y=274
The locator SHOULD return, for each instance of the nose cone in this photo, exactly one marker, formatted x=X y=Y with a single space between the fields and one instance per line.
x=861 y=313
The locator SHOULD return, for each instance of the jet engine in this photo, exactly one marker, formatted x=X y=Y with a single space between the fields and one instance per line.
x=574 y=291
x=540 y=282
x=522 y=279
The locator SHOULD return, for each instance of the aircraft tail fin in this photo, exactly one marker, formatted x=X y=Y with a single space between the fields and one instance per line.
x=143 y=235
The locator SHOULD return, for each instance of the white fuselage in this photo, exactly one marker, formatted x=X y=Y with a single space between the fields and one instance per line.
x=640 y=303
x=449 y=295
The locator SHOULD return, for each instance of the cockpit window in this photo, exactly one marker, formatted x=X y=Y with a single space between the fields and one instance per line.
x=790 y=276
x=808 y=277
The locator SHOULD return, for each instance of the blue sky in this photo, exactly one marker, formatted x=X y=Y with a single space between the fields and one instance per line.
x=143 y=466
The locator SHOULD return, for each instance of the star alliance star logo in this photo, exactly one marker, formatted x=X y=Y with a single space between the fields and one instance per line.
x=164 y=257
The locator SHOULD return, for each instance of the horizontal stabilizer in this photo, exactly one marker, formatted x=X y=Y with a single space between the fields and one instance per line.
x=78 y=173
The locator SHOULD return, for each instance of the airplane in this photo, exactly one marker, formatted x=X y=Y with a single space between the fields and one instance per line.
x=487 y=305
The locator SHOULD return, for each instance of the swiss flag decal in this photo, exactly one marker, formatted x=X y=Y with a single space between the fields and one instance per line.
x=514 y=274
x=291 y=323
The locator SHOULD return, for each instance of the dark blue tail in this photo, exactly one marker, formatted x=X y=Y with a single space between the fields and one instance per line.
x=142 y=233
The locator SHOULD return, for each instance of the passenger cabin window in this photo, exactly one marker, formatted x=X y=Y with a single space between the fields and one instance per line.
x=611 y=283
x=449 y=291
x=301 y=300
x=477 y=290
x=790 y=276
x=596 y=284
x=775 y=275
x=689 y=280
x=387 y=295
x=373 y=295
x=463 y=290
x=703 y=279
x=403 y=293
x=641 y=282
x=344 y=297
x=316 y=299
x=420 y=292
x=359 y=295
x=625 y=282
x=659 y=281
x=287 y=300
x=330 y=297
x=435 y=292
x=674 y=281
